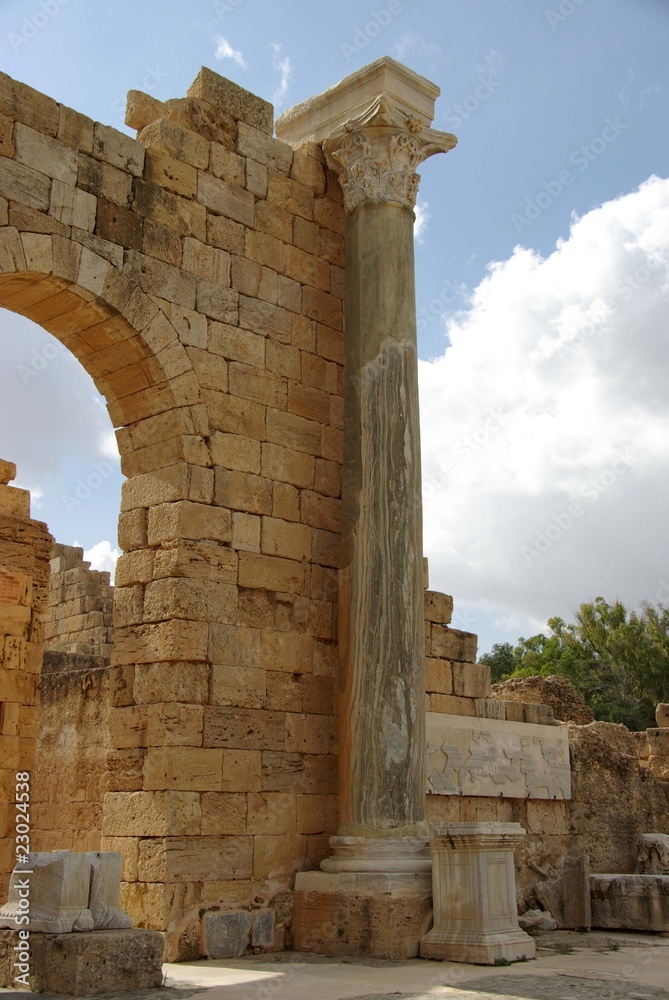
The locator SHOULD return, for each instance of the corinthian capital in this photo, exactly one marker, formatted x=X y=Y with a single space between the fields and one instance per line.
x=376 y=154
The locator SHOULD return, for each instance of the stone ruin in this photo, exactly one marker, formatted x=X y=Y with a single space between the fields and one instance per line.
x=250 y=732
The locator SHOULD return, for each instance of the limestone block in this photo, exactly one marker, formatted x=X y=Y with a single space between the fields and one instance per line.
x=118 y=149
x=270 y=573
x=256 y=178
x=73 y=207
x=438 y=607
x=141 y=109
x=14 y=502
x=195 y=859
x=662 y=716
x=7 y=472
x=87 y=965
x=151 y=814
x=240 y=686
x=183 y=768
x=224 y=163
x=185 y=519
x=222 y=198
x=21 y=102
x=185 y=217
x=239 y=103
x=630 y=902
x=176 y=140
x=471 y=680
x=475 y=916
x=75 y=130
x=243 y=729
x=226 y=935
x=333 y=915
x=45 y=154
x=496 y=758
x=653 y=854
x=53 y=888
x=322 y=307
x=105 y=889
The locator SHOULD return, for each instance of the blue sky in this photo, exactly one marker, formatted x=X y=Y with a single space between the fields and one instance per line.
x=561 y=109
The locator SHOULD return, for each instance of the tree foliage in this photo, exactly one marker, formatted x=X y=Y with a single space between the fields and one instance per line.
x=618 y=660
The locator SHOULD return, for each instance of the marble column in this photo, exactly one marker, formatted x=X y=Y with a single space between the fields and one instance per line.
x=374 y=129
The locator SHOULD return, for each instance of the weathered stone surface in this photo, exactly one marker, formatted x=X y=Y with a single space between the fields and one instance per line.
x=53 y=888
x=630 y=902
x=653 y=854
x=237 y=102
x=7 y=472
x=378 y=923
x=105 y=888
x=86 y=965
x=554 y=691
x=496 y=758
x=263 y=929
x=576 y=909
x=226 y=935
x=475 y=916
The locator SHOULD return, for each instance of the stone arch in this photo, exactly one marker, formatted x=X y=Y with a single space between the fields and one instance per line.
x=121 y=337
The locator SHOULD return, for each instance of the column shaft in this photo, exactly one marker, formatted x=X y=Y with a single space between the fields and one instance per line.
x=382 y=689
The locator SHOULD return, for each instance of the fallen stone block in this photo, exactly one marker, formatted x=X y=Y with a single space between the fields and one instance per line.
x=83 y=965
x=537 y=920
x=630 y=902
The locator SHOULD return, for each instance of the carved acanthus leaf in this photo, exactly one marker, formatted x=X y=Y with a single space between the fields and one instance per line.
x=377 y=153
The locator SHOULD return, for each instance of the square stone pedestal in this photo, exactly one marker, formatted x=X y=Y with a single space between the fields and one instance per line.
x=362 y=913
x=475 y=915
x=83 y=964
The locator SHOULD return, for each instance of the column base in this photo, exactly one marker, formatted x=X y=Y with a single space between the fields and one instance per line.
x=479 y=949
x=378 y=854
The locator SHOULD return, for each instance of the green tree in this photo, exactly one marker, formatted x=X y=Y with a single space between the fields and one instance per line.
x=618 y=660
x=501 y=661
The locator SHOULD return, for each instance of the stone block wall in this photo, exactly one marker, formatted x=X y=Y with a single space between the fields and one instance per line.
x=653 y=750
x=197 y=274
x=70 y=776
x=79 y=613
x=25 y=547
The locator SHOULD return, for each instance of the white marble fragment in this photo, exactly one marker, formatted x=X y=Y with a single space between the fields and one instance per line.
x=105 y=891
x=653 y=854
x=49 y=894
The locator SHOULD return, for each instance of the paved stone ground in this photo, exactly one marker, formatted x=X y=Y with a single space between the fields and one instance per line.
x=557 y=987
x=597 y=966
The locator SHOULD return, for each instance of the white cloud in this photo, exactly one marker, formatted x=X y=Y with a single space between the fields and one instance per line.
x=103 y=556
x=108 y=446
x=545 y=426
x=225 y=51
x=284 y=67
x=422 y=213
